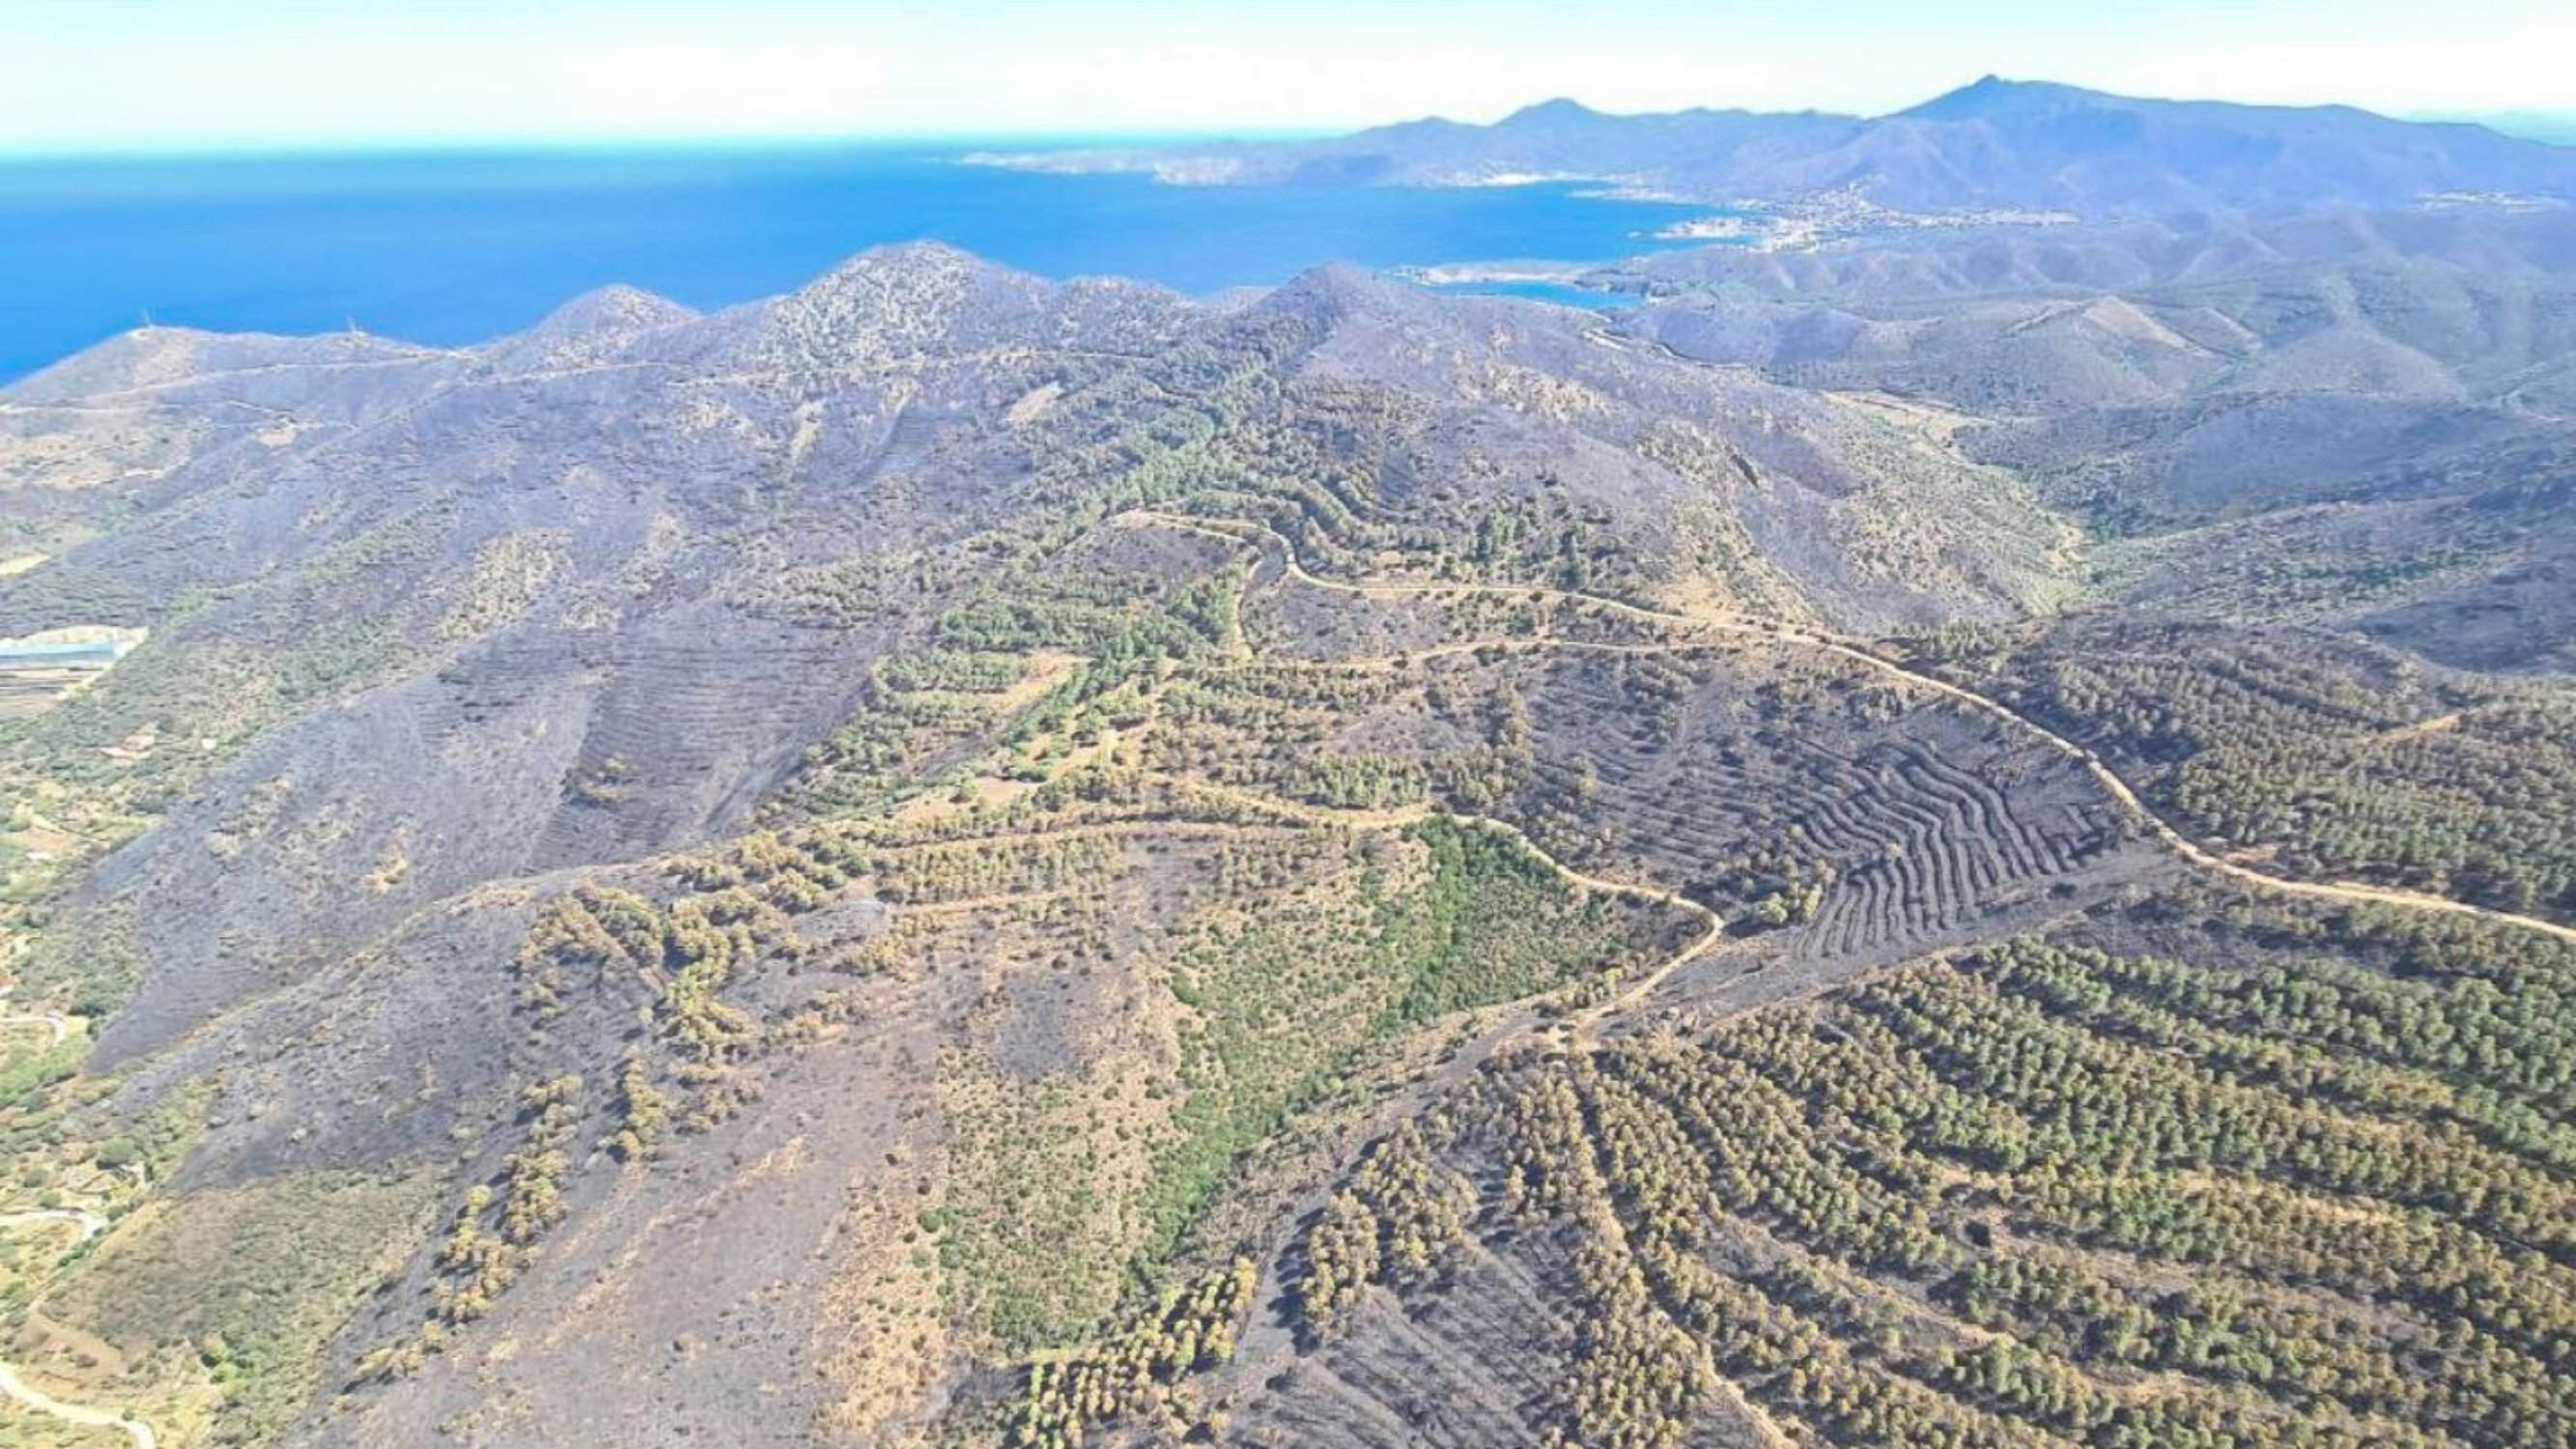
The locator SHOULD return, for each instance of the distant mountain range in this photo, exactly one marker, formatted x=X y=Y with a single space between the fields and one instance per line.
x=1994 y=144
x=2558 y=128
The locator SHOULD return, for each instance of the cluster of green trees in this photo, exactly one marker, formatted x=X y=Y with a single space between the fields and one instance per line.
x=860 y=766
x=1360 y=780
x=934 y=701
x=1640 y=1378
x=1543 y=539
x=1114 y=617
x=643 y=1110
x=2053 y=1195
x=2079 y=1097
x=582 y=936
x=847 y=593
x=1404 y=930
x=1770 y=887
x=532 y=1178
x=684 y=955
x=963 y=671
x=2229 y=1331
x=1269 y=727
x=793 y=873
x=495 y=1232
x=1284 y=729
x=1138 y=1370
x=1396 y=1221
x=704 y=941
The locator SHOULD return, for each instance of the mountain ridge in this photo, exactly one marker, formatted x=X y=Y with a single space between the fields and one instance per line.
x=1993 y=143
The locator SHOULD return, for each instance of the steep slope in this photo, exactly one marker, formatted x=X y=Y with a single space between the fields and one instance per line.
x=2350 y=418
x=1710 y=482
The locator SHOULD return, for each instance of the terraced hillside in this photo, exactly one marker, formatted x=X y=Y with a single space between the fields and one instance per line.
x=2046 y=1191
x=2318 y=755
x=951 y=860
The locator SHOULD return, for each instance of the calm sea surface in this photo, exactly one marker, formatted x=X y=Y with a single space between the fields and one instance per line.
x=455 y=248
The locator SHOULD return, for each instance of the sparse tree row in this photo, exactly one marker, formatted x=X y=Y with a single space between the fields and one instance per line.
x=967 y=870
x=673 y=964
x=2043 y=1196
x=1288 y=730
x=494 y=1234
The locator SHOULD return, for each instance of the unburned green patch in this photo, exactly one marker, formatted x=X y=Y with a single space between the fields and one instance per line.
x=245 y=1286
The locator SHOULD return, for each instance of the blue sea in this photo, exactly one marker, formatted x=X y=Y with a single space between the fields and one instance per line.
x=455 y=248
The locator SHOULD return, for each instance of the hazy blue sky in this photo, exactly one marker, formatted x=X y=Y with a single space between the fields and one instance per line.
x=84 y=74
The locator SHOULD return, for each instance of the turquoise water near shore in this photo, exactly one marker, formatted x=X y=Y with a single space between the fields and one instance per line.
x=1564 y=294
x=455 y=248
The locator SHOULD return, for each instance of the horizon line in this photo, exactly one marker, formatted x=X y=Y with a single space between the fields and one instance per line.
x=562 y=142
x=284 y=145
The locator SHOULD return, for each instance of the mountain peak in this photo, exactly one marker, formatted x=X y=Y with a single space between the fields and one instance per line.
x=589 y=328
x=893 y=300
x=1558 y=110
x=911 y=259
x=1329 y=289
x=1989 y=95
x=615 y=307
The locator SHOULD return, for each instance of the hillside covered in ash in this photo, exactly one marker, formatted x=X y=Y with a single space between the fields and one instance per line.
x=2358 y=419
x=951 y=859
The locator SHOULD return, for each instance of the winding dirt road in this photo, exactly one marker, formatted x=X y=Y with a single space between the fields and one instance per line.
x=1261 y=537
x=60 y=1026
x=43 y=1403
x=91 y=1225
